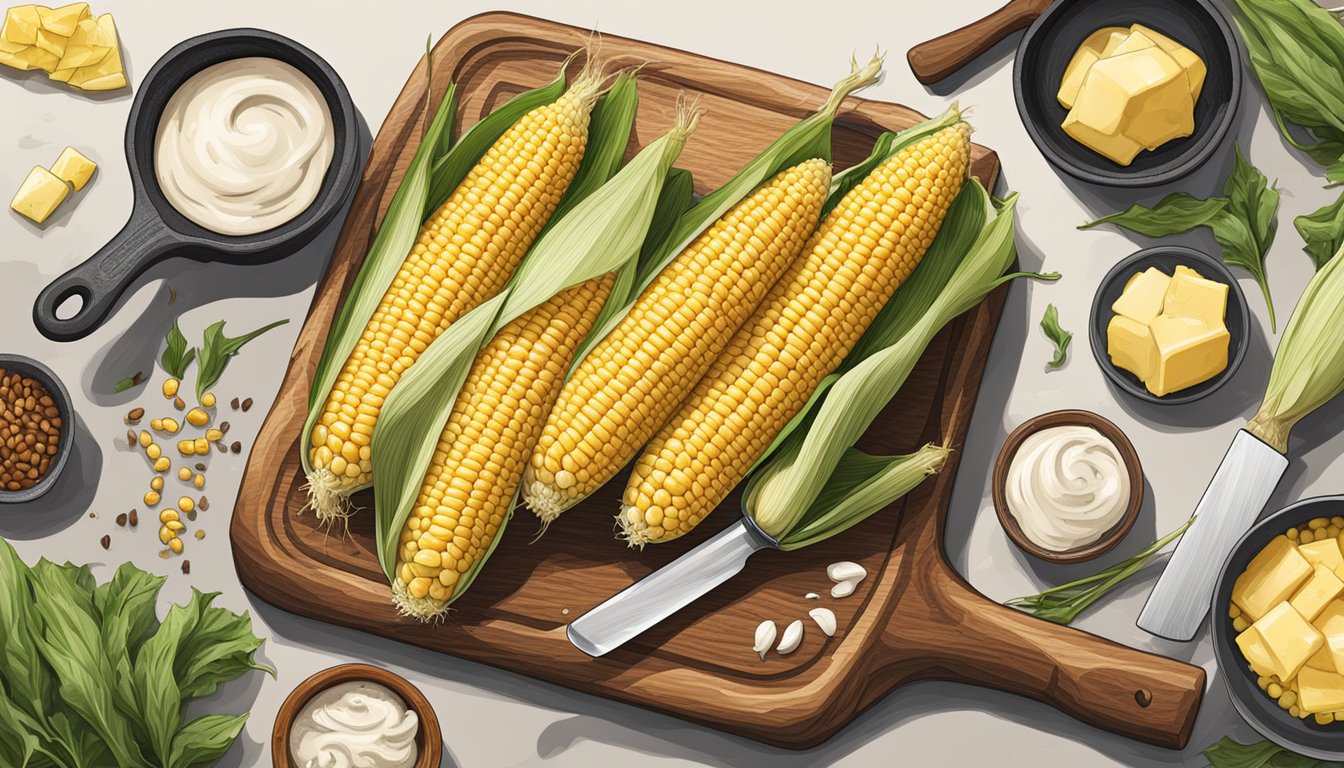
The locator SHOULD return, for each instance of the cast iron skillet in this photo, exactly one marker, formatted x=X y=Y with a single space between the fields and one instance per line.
x=156 y=231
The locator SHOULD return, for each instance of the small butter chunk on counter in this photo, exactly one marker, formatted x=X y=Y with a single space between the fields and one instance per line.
x=1170 y=330
x=69 y=43
x=1128 y=90
x=74 y=167
x=39 y=195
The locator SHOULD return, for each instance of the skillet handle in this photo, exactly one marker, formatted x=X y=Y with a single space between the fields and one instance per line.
x=935 y=59
x=101 y=279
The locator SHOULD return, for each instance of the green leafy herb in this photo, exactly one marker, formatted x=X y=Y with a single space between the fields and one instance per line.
x=1227 y=753
x=1297 y=52
x=1061 y=337
x=89 y=677
x=216 y=349
x=1242 y=221
x=1062 y=604
x=134 y=380
x=1323 y=231
x=176 y=354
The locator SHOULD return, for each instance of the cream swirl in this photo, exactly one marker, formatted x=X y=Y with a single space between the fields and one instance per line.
x=243 y=145
x=1067 y=486
x=355 y=725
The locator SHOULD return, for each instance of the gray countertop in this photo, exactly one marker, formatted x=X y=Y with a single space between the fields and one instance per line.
x=493 y=718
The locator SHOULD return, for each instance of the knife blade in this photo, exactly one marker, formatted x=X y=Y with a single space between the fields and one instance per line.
x=1233 y=501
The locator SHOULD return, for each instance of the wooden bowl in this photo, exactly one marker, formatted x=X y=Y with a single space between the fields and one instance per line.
x=1109 y=539
x=428 y=741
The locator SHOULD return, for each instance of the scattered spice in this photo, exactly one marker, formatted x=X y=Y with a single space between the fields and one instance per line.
x=200 y=467
x=31 y=431
x=106 y=541
x=221 y=447
x=179 y=403
x=135 y=518
x=131 y=439
x=224 y=427
x=200 y=534
x=186 y=567
x=121 y=520
x=191 y=515
x=234 y=403
x=93 y=515
x=164 y=553
x=247 y=405
x=237 y=447
x=204 y=504
x=135 y=415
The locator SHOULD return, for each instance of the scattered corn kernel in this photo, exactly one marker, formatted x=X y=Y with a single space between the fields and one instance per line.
x=1294 y=711
x=156 y=425
x=208 y=400
x=151 y=498
x=1318 y=522
x=198 y=481
x=1233 y=611
x=184 y=474
x=168 y=516
x=197 y=417
x=214 y=435
x=1305 y=537
x=1274 y=690
x=186 y=504
x=1240 y=624
x=202 y=446
x=1262 y=681
x=200 y=534
x=165 y=534
x=1291 y=533
x=1325 y=718
x=1288 y=699
x=186 y=447
x=170 y=388
x=162 y=464
x=145 y=439
x=153 y=451
x=175 y=544
x=171 y=426
x=156 y=482
x=175 y=526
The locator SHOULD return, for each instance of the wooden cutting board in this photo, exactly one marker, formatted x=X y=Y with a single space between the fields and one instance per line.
x=912 y=619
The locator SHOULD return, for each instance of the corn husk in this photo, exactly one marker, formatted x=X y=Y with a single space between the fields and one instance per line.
x=1308 y=367
x=600 y=235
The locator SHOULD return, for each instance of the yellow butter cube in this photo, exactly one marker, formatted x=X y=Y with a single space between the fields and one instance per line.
x=1322 y=658
x=1181 y=269
x=1323 y=552
x=31 y=57
x=39 y=195
x=74 y=167
x=1136 y=40
x=62 y=21
x=1319 y=690
x=106 y=75
x=1196 y=297
x=1290 y=637
x=1330 y=623
x=1143 y=296
x=51 y=43
x=82 y=51
x=1115 y=147
x=1312 y=598
x=1159 y=107
x=1256 y=651
x=1096 y=45
x=21 y=25
x=1131 y=347
x=1190 y=352
x=1272 y=577
x=1195 y=69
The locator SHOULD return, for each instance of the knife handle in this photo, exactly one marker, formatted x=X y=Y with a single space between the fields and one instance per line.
x=1234 y=499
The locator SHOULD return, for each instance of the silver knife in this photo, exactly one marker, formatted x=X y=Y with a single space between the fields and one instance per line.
x=1231 y=504
x=668 y=589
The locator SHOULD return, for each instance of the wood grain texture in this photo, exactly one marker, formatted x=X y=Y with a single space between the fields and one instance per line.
x=935 y=59
x=913 y=618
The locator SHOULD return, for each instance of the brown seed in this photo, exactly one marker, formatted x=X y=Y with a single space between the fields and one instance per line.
x=179 y=403
x=224 y=427
x=192 y=515
x=237 y=447
x=200 y=467
x=106 y=541
x=221 y=447
x=200 y=534
x=186 y=567
x=130 y=439
x=135 y=415
x=234 y=403
x=93 y=515
x=135 y=518
x=121 y=520
x=247 y=405
x=204 y=504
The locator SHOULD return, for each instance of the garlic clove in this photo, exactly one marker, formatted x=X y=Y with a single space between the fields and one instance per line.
x=843 y=589
x=846 y=571
x=825 y=619
x=765 y=637
x=793 y=637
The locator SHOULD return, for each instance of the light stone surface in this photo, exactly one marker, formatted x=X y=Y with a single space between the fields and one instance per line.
x=493 y=718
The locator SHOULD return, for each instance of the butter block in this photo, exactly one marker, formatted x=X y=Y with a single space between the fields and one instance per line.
x=50 y=42
x=1158 y=106
x=1144 y=296
x=1256 y=651
x=106 y=75
x=1319 y=591
x=1320 y=691
x=1115 y=147
x=1196 y=297
x=1136 y=40
x=1096 y=45
x=1322 y=659
x=1195 y=69
x=62 y=21
x=31 y=57
x=1131 y=347
x=1181 y=269
x=83 y=50
x=1272 y=577
x=1189 y=351
x=1291 y=639
x=21 y=25
x=1330 y=623
x=1324 y=552
x=39 y=195
x=74 y=167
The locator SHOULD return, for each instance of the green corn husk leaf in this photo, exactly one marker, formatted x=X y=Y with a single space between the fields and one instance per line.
x=887 y=145
x=393 y=241
x=1308 y=366
x=788 y=490
x=600 y=235
x=676 y=198
x=612 y=118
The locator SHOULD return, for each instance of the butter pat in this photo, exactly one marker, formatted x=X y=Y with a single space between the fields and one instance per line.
x=1320 y=691
x=74 y=167
x=1190 y=295
x=1272 y=577
x=68 y=43
x=1291 y=639
x=1256 y=650
x=1131 y=347
x=1170 y=331
x=1330 y=623
x=1189 y=352
x=39 y=195
x=1324 y=552
x=1322 y=588
x=21 y=25
x=1144 y=296
x=1097 y=45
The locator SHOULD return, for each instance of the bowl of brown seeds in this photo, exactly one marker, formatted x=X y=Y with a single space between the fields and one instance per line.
x=35 y=428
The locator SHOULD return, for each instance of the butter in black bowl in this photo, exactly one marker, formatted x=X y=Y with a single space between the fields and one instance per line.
x=1050 y=44
x=1297 y=575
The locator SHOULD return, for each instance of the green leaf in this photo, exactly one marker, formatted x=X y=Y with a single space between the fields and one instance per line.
x=1056 y=334
x=609 y=126
x=126 y=383
x=176 y=354
x=125 y=606
x=1247 y=226
x=221 y=648
x=156 y=686
x=1323 y=231
x=205 y=740
x=1227 y=753
x=70 y=643
x=73 y=743
x=676 y=198
x=217 y=349
x=1173 y=214
x=18 y=734
x=25 y=674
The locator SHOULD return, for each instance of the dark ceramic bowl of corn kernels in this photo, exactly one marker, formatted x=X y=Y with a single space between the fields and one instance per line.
x=35 y=429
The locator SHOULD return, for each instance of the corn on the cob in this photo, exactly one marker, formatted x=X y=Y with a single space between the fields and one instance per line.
x=633 y=379
x=465 y=254
x=867 y=246
x=479 y=460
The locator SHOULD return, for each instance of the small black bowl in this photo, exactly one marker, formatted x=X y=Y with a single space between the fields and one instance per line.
x=1050 y=43
x=1167 y=258
x=43 y=375
x=1323 y=742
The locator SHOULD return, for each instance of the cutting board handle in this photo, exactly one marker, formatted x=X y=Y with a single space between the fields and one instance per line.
x=935 y=59
x=965 y=638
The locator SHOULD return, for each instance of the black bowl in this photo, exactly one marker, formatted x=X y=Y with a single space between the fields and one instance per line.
x=1167 y=258
x=43 y=375
x=1323 y=742
x=156 y=230
x=1050 y=43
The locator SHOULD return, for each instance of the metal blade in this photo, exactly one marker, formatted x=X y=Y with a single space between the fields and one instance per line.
x=1231 y=504
x=667 y=590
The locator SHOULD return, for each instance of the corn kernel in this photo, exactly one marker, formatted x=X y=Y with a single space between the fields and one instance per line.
x=186 y=504
x=208 y=400
x=166 y=534
x=156 y=483
x=186 y=447
x=170 y=388
x=197 y=417
x=171 y=426
x=1274 y=690
x=174 y=526
x=156 y=425
x=198 y=481
x=145 y=439
x=175 y=544
x=1240 y=624
x=153 y=451
x=214 y=435
x=151 y=498
x=162 y=464
x=184 y=474
x=202 y=446
x=168 y=516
